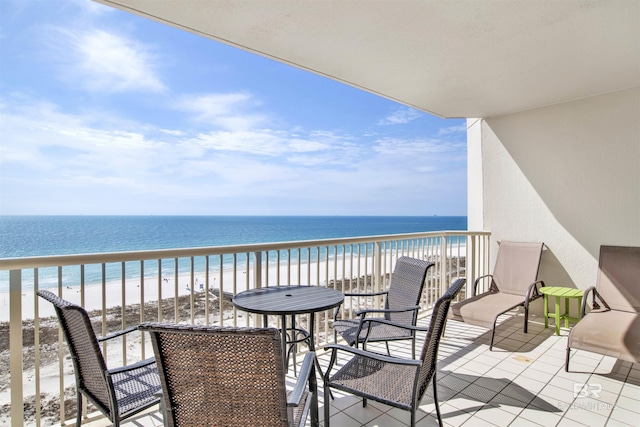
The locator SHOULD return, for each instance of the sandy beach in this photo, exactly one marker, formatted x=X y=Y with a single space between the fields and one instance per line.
x=232 y=282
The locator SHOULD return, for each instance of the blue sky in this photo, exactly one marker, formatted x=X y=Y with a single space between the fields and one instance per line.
x=104 y=112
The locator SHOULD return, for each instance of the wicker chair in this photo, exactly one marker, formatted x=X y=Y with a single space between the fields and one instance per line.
x=221 y=376
x=119 y=392
x=400 y=307
x=393 y=381
x=295 y=336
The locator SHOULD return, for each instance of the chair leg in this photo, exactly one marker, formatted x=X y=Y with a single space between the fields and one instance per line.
x=295 y=364
x=163 y=409
x=566 y=362
x=526 y=319
x=327 y=405
x=364 y=402
x=294 y=346
x=389 y=351
x=435 y=399
x=413 y=346
x=493 y=333
x=78 y=408
x=291 y=349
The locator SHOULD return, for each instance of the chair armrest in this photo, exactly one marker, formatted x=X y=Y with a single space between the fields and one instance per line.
x=397 y=325
x=134 y=366
x=374 y=356
x=594 y=303
x=337 y=310
x=386 y=310
x=475 y=284
x=117 y=334
x=356 y=351
x=307 y=372
x=335 y=313
x=583 y=308
x=376 y=294
x=532 y=292
x=363 y=318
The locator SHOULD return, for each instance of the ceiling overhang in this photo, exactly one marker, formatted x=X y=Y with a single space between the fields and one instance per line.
x=475 y=58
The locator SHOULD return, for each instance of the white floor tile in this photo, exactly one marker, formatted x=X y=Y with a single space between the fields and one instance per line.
x=521 y=383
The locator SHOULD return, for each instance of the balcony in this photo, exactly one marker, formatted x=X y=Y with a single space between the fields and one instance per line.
x=521 y=382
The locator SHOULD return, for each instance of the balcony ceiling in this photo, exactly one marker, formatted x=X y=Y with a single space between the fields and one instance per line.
x=474 y=58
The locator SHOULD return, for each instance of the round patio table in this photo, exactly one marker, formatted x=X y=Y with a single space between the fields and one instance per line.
x=289 y=300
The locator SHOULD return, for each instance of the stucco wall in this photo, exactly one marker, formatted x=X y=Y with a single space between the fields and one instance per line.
x=567 y=175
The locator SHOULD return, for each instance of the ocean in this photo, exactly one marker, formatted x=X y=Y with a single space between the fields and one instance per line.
x=26 y=236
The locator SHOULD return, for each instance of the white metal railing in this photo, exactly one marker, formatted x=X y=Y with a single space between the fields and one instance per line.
x=183 y=285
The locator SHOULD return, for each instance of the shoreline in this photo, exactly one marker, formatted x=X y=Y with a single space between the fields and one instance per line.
x=133 y=294
x=234 y=280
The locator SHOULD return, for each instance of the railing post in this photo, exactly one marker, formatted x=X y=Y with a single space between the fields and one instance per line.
x=257 y=281
x=257 y=270
x=377 y=270
x=15 y=346
x=472 y=261
x=443 y=265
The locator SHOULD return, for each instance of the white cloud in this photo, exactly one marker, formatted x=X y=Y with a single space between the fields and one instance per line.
x=208 y=152
x=230 y=111
x=267 y=142
x=41 y=141
x=112 y=164
x=172 y=132
x=401 y=116
x=210 y=106
x=411 y=148
x=453 y=130
x=106 y=62
x=91 y=7
x=304 y=145
x=326 y=159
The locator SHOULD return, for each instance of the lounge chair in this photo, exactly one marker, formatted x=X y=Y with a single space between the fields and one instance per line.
x=612 y=327
x=118 y=393
x=391 y=380
x=513 y=284
x=401 y=306
x=224 y=376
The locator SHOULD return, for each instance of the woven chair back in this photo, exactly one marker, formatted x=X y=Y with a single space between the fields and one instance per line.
x=619 y=277
x=88 y=363
x=516 y=267
x=219 y=376
x=405 y=289
x=429 y=355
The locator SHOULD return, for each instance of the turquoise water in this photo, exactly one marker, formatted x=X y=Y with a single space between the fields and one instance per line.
x=25 y=236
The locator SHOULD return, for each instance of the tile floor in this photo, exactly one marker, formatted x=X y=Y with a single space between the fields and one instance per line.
x=521 y=382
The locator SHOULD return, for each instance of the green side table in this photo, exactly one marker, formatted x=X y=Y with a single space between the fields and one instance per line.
x=559 y=293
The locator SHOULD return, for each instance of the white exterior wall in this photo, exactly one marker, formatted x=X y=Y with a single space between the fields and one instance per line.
x=567 y=175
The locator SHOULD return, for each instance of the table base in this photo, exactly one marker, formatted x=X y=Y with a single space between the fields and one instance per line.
x=559 y=293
